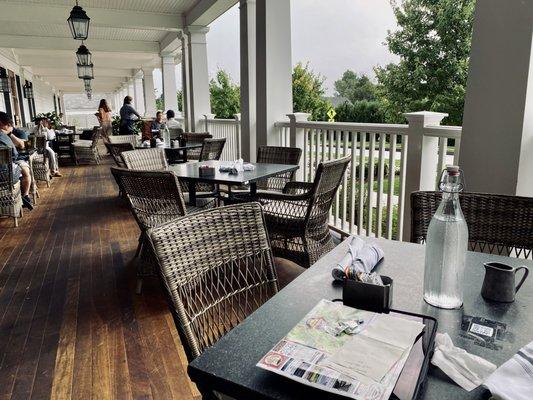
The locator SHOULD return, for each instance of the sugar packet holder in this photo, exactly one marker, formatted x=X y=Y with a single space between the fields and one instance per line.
x=368 y=296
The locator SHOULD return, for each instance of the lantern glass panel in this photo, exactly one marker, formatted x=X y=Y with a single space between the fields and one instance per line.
x=4 y=84
x=84 y=55
x=85 y=71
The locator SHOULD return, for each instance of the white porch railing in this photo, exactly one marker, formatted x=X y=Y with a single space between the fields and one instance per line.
x=374 y=197
x=229 y=129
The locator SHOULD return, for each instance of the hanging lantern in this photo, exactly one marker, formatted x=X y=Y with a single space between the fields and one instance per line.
x=78 y=21
x=84 y=55
x=87 y=83
x=28 y=91
x=85 y=71
x=5 y=87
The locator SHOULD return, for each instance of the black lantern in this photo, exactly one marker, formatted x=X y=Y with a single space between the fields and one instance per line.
x=28 y=91
x=78 y=23
x=87 y=83
x=5 y=87
x=85 y=71
x=84 y=55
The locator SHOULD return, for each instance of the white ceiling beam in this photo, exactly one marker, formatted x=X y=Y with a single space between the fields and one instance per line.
x=170 y=44
x=65 y=72
x=40 y=13
x=206 y=11
x=60 y=43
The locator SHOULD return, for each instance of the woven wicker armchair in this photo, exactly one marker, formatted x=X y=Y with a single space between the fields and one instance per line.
x=497 y=224
x=217 y=268
x=154 y=198
x=10 y=196
x=195 y=138
x=40 y=166
x=149 y=159
x=297 y=219
x=116 y=150
x=278 y=155
x=212 y=149
x=87 y=150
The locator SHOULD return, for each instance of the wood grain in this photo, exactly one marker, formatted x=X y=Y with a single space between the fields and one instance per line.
x=71 y=325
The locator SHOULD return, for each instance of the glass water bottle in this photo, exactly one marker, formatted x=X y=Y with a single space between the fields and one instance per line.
x=446 y=245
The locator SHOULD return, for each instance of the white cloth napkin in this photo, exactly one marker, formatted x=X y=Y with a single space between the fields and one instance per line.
x=513 y=380
x=361 y=256
x=467 y=370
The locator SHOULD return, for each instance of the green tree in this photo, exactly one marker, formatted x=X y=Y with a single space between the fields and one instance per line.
x=308 y=93
x=360 y=111
x=160 y=101
x=355 y=87
x=225 y=95
x=433 y=43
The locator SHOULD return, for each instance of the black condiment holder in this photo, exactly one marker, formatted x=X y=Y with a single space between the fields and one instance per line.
x=368 y=296
x=206 y=171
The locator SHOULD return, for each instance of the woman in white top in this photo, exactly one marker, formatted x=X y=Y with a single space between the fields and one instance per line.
x=105 y=119
x=43 y=130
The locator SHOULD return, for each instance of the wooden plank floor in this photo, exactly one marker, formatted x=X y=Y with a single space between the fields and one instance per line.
x=71 y=326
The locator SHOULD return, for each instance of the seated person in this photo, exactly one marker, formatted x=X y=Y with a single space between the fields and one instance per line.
x=158 y=121
x=20 y=168
x=172 y=123
x=42 y=129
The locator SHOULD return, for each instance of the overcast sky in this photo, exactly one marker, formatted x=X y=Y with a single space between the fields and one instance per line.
x=333 y=36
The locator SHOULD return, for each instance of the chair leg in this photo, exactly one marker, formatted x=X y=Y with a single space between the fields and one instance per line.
x=139 y=247
x=15 y=222
x=139 y=285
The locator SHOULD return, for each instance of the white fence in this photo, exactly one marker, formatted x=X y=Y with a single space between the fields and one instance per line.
x=373 y=199
x=229 y=129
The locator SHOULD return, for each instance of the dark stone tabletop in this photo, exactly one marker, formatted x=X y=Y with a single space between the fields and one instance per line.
x=229 y=365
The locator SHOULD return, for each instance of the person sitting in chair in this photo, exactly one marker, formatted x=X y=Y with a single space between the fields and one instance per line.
x=172 y=123
x=43 y=129
x=157 y=122
x=21 y=169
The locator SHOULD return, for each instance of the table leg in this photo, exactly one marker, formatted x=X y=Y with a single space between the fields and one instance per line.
x=184 y=155
x=253 y=190
x=192 y=193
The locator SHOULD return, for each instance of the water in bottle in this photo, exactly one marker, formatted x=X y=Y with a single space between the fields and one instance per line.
x=446 y=245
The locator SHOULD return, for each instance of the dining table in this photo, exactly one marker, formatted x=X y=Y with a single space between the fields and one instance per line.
x=190 y=173
x=229 y=366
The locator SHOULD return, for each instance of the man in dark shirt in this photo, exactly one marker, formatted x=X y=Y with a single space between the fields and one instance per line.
x=20 y=167
x=127 y=114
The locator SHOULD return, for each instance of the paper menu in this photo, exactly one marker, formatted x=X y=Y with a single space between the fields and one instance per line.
x=375 y=351
x=303 y=355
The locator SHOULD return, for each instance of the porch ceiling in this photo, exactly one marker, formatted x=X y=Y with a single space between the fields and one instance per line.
x=124 y=36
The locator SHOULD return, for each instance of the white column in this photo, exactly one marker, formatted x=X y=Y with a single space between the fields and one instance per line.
x=138 y=93
x=149 y=92
x=131 y=92
x=186 y=112
x=248 y=79
x=273 y=66
x=422 y=159
x=170 y=88
x=497 y=138
x=199 y=103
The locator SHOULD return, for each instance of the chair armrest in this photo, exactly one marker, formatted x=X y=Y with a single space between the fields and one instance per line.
x=276 y=196
x=297 y=187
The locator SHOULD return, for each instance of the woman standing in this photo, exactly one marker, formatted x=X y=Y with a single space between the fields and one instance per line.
x=104 y=117
x=127 y=114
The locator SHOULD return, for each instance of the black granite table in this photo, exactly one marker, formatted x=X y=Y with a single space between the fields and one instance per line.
x=190 y=173
x=229 y=365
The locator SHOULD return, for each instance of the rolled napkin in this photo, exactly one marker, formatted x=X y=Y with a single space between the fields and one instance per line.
x=236 y=167
x=513 y=380
x=361 y=257
x=467 y=370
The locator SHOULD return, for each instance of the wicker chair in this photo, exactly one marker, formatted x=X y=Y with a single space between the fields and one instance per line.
x=133 y=139
x=10 y=196
x=212 y=149
x=87 y=150
x=175 y=133
x=497 y=224
x=40 y=167
x=217 y=268
x=154 y=198
x=195 y=138
x=116 y=150
x=149 y=159
x=297 y=219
